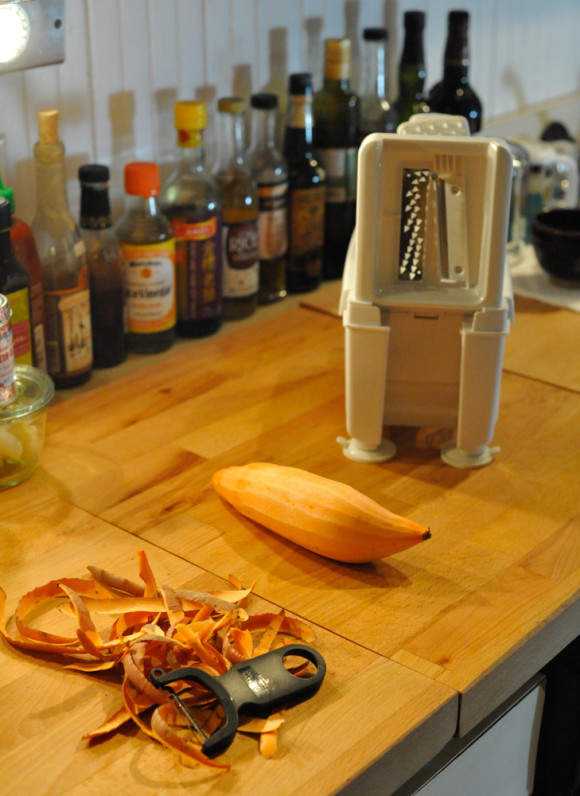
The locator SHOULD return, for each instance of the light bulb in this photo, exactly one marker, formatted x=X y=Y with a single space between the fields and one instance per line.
x=14 y=31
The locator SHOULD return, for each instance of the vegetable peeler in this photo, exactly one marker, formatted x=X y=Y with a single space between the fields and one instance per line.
x=256 y=687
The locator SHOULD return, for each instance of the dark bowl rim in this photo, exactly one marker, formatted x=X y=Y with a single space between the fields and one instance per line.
x=539 y=225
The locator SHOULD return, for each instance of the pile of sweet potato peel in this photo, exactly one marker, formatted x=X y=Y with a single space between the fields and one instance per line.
x=146 y=626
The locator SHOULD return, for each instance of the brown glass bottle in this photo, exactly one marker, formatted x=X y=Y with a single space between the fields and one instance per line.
x=148 y=252
x=240 y=229
x=307 y=188
x=411 y=97
x=453 y=94
x=336 y=122
x=105 y=267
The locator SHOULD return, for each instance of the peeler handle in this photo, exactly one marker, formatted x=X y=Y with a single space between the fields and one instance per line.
x=258 y=686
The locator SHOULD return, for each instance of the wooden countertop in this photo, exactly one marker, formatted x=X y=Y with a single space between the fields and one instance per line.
x=418 y=646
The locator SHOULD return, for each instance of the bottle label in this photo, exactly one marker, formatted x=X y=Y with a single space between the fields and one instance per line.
x=340 y=166
x=69 y=345
x=306 y=221
x=241 y=264
x=7 y=381
x=198 y=262
x=272 y=219
x=149 y=271
x=21 y=334
x=298 y=106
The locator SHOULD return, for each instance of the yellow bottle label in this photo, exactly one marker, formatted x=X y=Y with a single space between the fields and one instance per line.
x=20 y=306
x=149 y=271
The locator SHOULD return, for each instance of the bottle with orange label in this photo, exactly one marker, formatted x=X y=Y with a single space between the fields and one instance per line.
x=69 y=349
x=148 y=254
x=191 y=199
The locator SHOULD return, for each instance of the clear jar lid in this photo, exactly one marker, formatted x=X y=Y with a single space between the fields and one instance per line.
x=34 y=391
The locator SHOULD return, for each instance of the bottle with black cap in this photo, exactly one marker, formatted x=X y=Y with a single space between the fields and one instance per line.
x=376 y=113
x=411 y=98
x=269 y=170
x=105 y=267
x=307 y=190
x=454 y=94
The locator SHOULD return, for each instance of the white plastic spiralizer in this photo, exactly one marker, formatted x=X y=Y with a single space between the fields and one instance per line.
x=426 y=298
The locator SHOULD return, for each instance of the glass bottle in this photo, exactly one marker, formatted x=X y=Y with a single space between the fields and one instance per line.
x=307 y=190
x=105 y=268
x=191 y=199
x=26 y=253
x=148 y=254
x=411 y=97
x=15 y=285
x=453 y=94
x=269 y=170
x=376 y=113
x=69 y=347
x=336 y=122
x=240 y=228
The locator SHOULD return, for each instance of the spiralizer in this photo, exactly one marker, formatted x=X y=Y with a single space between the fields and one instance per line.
x=426 y=299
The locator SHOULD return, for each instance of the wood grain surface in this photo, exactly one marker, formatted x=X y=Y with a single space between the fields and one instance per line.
x=435 y=636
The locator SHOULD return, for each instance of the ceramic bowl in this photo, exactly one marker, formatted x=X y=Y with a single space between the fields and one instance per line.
x=22 y=425
x=556 y=241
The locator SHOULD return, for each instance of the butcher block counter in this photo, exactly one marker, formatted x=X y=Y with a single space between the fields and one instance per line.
x=419 y=647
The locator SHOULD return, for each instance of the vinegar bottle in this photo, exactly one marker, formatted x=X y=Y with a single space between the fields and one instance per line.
x=69 y=347
x=191 y=199
x=105 y=269
x=307 y=185
x=336 y=122
x=269 y=170
x=148 y=253
x=26 y=253
x=453 y=94
x=15 y=285
x=240 y=232
x=411 y=97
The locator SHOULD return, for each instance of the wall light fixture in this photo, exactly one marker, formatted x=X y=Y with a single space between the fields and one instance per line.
x=31 y=33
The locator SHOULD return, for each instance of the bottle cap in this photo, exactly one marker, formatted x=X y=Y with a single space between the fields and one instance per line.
x=93 y=172
x=375 y=34
x=190 y=115
x=5 y=214
x=458 y=17
x=300 y=83
x=7 y=192
x=142 y=179
x=337 y=61
x=47 y=127
x=231 y=105
x=265 y=102
x=414 y=21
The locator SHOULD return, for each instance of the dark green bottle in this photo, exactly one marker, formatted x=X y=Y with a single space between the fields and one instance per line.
x=336 y=123
x=411 y=98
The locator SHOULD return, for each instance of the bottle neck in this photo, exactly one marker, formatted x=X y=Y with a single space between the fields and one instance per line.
x=191 y=155
x=5 y=246
x=413 y=55
x=337 y=74
x=51 y=196
x=142 y=205
x=263 y=128
x=374 y=69
x=95 y=206
x=233 y=140
x=456 y=59
x=299 y=127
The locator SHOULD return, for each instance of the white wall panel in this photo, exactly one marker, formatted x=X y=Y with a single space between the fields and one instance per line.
x=127 y=61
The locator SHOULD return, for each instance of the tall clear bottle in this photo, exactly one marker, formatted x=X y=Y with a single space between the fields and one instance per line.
x=411 y=97
x=336 y=124
x=105 y=267
x=192 y=200
x=307 y=190
x=240 y=228
x=269 y=170
x=376 y=113
x=148 y=252
x=454 y=94
x=69 y=348
x=15 y=285
x=26 y=253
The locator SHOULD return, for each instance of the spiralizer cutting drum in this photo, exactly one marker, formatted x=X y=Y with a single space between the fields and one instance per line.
x=426 y=298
